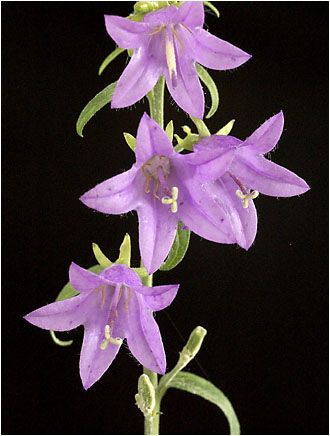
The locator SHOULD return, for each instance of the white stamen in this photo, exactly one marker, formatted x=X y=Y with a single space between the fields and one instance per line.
x=170 y=58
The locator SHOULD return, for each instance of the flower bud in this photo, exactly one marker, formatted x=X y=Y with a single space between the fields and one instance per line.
x=145 y=398
x=194 y=343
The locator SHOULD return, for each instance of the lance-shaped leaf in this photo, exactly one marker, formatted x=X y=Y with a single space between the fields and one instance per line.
x=211 y=86
x=110 y=58
x=196 y=385
x=98 y=102
x=178 y=250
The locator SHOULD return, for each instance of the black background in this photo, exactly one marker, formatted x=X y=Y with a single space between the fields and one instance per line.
x=265 y=310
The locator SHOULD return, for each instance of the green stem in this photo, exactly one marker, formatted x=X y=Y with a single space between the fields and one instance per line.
x=156 y=105
x=156 y=102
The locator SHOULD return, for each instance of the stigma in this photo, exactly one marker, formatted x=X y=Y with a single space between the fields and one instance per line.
x=109 y=339
x=246 y=197
x=172 y=200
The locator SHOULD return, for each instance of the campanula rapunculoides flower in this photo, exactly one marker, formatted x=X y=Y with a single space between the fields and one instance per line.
x=248 y=174
x=168 y=42
x=111 y=306
x=165 y=187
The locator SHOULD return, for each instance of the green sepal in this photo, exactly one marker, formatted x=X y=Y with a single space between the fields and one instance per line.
x=178 y=250
x=211 y=86
x=59 y=341
x=100 y=257
x=110 y=58
x=213 y=8
x=201 y=127
x=196 y=385
x=98 y=102
x=169 y=129
x=225 y=130
x=125 y=251
x=130 y=140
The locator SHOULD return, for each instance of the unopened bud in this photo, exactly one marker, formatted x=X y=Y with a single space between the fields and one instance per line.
x=194 y=342
x=145 y=398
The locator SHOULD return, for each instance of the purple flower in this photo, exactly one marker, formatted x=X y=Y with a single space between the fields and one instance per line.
x=250 y=170
x=111 y=306
x=165 y=187
x=168 y=42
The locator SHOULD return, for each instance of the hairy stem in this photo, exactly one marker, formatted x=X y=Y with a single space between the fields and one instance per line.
x=156 y=105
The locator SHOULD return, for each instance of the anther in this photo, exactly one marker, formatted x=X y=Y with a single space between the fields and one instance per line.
x=247 y=197
x=177 y=36
x=129 y=296
x=156 y=30
x=172 y=200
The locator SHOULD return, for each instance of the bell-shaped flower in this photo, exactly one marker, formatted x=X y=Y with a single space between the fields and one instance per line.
x=167 y=43
x=248 y=174
x=111 y=306
x=165 y=187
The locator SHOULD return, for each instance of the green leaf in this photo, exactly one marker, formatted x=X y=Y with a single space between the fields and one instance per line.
x=98 y=102
x=196 y=385
x=178 y=250
x=130 y=140
x=169 y=130
x=213 y=8
x=110 y=58
x=211 y=86
x=68 y=290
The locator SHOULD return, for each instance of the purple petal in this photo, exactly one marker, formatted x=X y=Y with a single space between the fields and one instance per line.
x=143 y=336
x=150 y=140
x=243 y=221
x=268 y=178
x=198 y=210
x=121 y=274
x=62 y=315
x=126 y=33
x=116 y=195
x=215 y=53
x=210 y=164
x=191 y=14
x=158 y=297
x=218 y=141
x=267 y=135
x=157 y=229
x=161 y=16
x=186 y=90
x=83 y=280
x=138 y=78
x=93 y=360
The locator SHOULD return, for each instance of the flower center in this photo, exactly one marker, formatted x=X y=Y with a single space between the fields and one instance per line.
x=157 y=169
x=171 y=34
x=108 y=329
x=243 y=192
